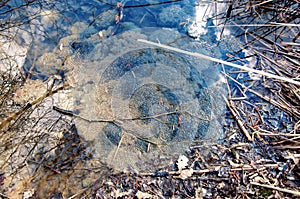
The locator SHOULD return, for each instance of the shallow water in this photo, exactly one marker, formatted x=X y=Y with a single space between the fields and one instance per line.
x=153 y=103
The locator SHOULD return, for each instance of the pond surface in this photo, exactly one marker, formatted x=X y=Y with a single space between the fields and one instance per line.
x=146 y=105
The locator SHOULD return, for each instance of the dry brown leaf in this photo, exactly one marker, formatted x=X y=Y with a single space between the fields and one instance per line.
x=186 y=173
x=221 y=185
x=182 y=162
x=143 y=195
x=259 y=179
x=59 y=135
x=234 y=165
x=200 y=193
x=117 y=193
x=28 y=194
x=110 y=183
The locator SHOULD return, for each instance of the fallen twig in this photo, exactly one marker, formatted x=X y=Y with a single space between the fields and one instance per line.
x=297 y=193
x=210 y=170
x=222 y=62
x=237 y=118
x=119 y=144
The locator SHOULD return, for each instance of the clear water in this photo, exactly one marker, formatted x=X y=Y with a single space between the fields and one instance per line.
x=160 y=102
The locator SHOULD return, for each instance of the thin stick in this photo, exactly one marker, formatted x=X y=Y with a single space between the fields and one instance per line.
x=268 y=133
x=257 y=25
x=119 y=145
x=150 y=116
x=290 y=43
x=264 y=2
x=216 y=168
x=237 y=118
x=221 y=62
x=297 y=193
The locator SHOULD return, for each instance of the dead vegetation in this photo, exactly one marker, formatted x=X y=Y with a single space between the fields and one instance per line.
x=42 y=155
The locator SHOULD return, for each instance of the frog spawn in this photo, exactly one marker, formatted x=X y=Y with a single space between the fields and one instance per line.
x=157 y=103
